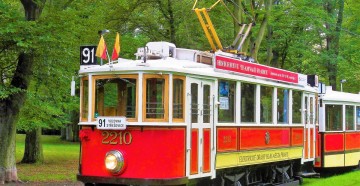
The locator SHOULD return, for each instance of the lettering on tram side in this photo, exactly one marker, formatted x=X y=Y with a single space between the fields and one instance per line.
x=263 y=157
x=114 y=138
x=237 y=65
x=241 y=67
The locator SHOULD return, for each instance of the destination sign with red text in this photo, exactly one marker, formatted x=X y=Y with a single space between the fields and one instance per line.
x=244 y=67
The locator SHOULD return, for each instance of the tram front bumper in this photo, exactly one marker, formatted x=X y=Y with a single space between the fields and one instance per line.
x=132 y=181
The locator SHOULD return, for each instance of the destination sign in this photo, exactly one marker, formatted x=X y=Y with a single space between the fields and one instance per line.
x=111 y=123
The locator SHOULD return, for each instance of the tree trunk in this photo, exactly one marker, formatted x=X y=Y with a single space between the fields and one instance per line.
x=262 y=29
x=33 y=149
x=75 y=126
x=332 y=40
x=8 y=172
x=10 y=106
x=9 y=110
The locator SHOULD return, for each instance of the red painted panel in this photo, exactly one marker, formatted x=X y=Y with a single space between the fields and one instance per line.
x=312 y=143
x=297 y=136
x=226 y=139
x=318 y=143
x=334 y=142
x=207 y=147
x=194 y=153
x=254 y=138
x=318 y=149
x=306 y=144
x=143 y=151
x=352 y=141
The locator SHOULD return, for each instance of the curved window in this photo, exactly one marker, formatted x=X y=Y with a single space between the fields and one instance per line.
x=227 y=101
x=115 y=96
x=178 y=98
x=333 y=119
x=84 y=99
x=155 y=99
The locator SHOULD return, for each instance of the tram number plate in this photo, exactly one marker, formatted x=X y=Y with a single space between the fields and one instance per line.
x=111 y=123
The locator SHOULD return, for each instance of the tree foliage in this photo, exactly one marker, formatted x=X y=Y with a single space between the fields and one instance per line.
x=311 y=37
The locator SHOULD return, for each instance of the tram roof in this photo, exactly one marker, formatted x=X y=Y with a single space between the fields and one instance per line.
x=183 y=62
x=336 y=96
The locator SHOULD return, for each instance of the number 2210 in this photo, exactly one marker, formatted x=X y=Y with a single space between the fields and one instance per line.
x=114 y=138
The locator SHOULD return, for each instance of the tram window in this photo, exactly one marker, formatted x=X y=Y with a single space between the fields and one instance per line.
x=227 y=101
x=296 y=106
x=156 y=97
x=178 y=98
x=194 y=102
x=115 y=97
x=357 y=118
x=84 y=100
x=266 y=97
x=206 y=104
x=333 y=117
x=349 y=117
x=282 y=106
x=248 y=95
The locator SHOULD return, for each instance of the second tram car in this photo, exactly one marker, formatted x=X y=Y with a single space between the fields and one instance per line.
x=338 y=140
x=176 y=116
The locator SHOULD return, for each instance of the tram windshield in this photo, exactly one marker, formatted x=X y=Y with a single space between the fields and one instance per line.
x=115 y=96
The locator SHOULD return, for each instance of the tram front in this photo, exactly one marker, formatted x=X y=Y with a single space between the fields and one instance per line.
x=126 y=136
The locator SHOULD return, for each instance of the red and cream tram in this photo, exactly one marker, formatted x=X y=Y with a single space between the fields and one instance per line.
x=338 y=140
x=176 y=116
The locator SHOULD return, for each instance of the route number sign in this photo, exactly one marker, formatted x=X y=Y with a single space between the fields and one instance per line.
x=87 y=55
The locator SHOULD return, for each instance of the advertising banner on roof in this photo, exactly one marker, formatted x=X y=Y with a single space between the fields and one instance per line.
x=245 y=67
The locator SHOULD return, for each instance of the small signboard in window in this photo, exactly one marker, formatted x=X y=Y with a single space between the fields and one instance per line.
x=224 y=103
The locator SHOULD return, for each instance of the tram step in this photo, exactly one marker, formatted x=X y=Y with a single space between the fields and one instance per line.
x=310 y=174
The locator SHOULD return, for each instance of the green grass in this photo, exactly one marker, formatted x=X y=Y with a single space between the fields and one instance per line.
x=345 y=179
x=60 y=161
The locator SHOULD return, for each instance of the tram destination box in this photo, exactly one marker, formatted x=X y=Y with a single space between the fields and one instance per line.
x=111 y=123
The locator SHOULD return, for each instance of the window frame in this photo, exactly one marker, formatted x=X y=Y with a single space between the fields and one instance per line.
x=342 y=117
x=276 y=98
x=234 y=102
x=82 y=119
x=272 y=90
x=255 y=103
x=123 y=76
x=166 y=97
x=345 y=116
x=183 y=78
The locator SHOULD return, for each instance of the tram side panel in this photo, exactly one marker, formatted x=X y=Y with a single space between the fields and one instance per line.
x=338 y=149
x=241 y=146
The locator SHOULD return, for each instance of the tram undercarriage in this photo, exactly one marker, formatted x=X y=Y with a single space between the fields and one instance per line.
x=279 y=173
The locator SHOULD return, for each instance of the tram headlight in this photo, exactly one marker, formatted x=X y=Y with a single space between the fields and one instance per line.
x=114 y=161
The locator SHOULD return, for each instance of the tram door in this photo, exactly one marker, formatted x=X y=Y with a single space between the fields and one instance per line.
x=200 y=95
x=309 y=129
